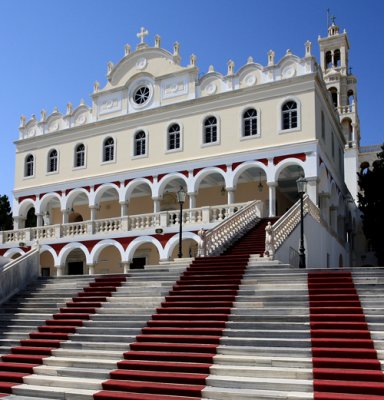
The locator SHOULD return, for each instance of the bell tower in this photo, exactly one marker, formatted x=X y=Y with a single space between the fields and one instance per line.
x=342 y=88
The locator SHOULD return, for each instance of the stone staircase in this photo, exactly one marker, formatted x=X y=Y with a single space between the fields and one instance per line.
x=231 y=327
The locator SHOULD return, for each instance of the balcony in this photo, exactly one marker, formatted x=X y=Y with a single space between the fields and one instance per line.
x=133 y=225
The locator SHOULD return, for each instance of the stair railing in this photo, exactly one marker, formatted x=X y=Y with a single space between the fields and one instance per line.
x=215 y=240
x=282 y=228
x=18 y=273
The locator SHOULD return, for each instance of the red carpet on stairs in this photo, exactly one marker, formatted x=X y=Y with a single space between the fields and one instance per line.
x=170 y=360
x=345 y=364
x=31 y=352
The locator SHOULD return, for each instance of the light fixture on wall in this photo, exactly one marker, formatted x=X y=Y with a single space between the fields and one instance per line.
x=222 y=191
x=260 y=185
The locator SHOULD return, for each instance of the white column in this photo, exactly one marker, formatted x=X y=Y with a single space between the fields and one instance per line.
x=156 y=204
x=272 y=198
x=123 y=208
x=230 y=196
x=126 y=265
x=18 y=223
x=65 y=216
x=59 y=270
x=93 y=210
x=192 y=199
x=312 y=188
x=39 y=220
x=91 y=269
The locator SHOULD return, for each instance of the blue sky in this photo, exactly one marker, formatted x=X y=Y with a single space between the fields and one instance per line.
x=52 y=51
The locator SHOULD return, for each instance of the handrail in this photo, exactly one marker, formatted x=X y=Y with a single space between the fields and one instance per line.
x=215 y=240
x=283 y=227
x=18 y=273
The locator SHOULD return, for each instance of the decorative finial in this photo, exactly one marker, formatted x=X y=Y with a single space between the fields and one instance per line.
x=96 y=87
x=109 y=67
x=56 y=109
x=231 y=67
x=288 y=52
x=157 y=41
x=250 y=60
x=308 y=49
x=69 y=108
x=33 y=117
x=211 y=69
x=127 y=49
x=176 y=48
x=192 y=60
x=23 y=120
x=333 y=18
x=142 y=34
x=271 y=58
x=82 y=102
x=43 y=116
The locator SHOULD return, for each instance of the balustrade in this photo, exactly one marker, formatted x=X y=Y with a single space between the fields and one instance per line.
x=193 y=216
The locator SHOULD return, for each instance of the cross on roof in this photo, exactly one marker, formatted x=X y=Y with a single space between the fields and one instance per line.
x=332 y=18
x=142 y=34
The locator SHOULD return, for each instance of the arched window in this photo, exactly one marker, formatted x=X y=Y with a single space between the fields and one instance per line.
x=328 y=60
x=333 y=92
x=289 y=115
x=351 y=100
x=250 y=122
x=210 y=130
x=80 y=155
x=109 y=150
x=140 y=143
x=174 y=137
x=336 y=58
x=52 y=161
x=29 y=165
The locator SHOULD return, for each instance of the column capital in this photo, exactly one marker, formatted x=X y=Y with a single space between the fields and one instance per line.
x=272 y=184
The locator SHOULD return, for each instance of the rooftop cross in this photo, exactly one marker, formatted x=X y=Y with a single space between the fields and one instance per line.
x=332 y=18
x=142 y=34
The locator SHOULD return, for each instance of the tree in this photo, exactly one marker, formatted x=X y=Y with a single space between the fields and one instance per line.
x=6 y=221
x=371 y=204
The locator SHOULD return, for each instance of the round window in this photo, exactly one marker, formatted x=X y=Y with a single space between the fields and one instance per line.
x=141 y=95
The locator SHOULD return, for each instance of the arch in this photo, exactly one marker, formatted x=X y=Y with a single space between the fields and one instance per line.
x=287 y=163
x=328 y=60
x=25 y=206
x=50 y=250
x=104 y=188
x=132 y=247
x=169 y=178
x=204 y=173
x=174 y=241
x=100 y=246
x=70 y=198
x=45 y=200
x=134 y=184
x=62 y=257
x=243 y=167
x=337 y=58
x=14 y=251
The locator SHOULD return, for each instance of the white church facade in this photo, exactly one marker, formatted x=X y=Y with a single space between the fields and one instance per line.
x=100 y=182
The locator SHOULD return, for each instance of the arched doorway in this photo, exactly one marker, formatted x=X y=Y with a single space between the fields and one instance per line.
x=75 y=262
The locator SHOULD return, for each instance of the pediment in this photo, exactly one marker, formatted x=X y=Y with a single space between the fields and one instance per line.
x=155 y=62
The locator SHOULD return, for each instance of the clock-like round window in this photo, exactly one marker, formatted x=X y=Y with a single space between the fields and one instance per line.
x=141 y=95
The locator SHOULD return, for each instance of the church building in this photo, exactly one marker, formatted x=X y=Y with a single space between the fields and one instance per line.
x=104 y=187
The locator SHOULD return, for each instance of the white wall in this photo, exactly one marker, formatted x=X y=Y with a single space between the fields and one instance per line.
x=317 y=243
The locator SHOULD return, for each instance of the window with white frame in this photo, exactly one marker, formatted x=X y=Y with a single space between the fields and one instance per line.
x=80 y=155
x=140 y=144
x=210 y=130
x=289 y=115
x=29 y=165
x=250 y=122
x=52 y=161
x=108 y=150
x=173 y=137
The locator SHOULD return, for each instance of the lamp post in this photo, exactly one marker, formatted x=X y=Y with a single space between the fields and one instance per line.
x=301 y=188
x=181 y=198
